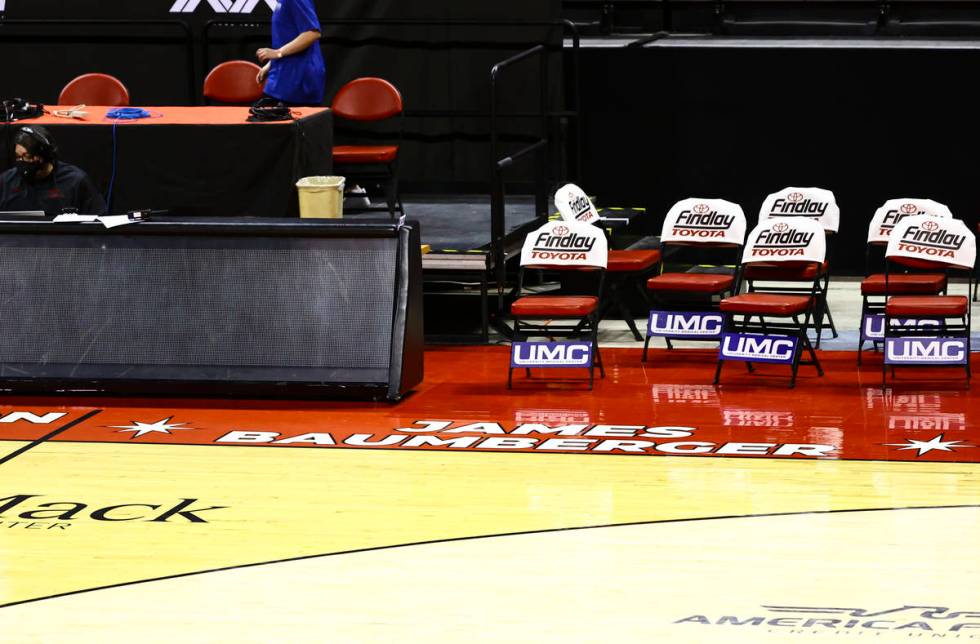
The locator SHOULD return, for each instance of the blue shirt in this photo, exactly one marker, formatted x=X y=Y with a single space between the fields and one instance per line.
x=298 y=78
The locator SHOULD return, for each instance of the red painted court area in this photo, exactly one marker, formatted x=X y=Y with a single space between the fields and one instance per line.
x=665 y=407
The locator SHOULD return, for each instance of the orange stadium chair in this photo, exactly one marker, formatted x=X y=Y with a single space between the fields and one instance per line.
x=929 y=330
x=559 y=246
x=625 y=269
x=233 y=82
x=873 y=291
x=817 y=205
x=367 y=100
x=95 y=89
x=797 y=246
x=684 y=304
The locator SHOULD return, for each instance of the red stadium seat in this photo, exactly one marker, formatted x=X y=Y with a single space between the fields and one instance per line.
x=874 y=289
x=233 y=82
x=95 y=89
x=927 y=330
x=576 y=315
x=366 y=100
x=799 y=246
x=696 y=230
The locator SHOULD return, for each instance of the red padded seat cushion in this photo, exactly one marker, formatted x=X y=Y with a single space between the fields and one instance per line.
x=364 y=153
x=788 y=271
x=927 y=305
x=916 y=284
x=766 y=304
x=630 y=261
x=548 y=306
x=691 y=282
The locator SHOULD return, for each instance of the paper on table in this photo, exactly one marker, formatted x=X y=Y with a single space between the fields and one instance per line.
x=72 y=217
x=111 y=221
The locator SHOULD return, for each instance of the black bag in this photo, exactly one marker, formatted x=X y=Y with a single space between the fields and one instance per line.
x=17 y=109
x=269 y=109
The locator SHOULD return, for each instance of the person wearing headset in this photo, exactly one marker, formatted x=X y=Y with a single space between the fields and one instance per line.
x=294 y=72
x=39 y=181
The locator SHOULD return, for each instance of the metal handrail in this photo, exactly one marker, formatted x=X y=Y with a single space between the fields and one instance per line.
x=498 y=164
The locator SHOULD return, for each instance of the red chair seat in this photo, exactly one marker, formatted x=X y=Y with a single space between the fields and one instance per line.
x=788 y=271
x=766 y=304
x=549 y=306
x=915 y=284
x=927 y=305
x=365 y=153
x=632 y=261
x=691 y=282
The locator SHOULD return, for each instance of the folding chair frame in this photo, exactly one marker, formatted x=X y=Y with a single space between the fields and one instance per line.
x=386 y=173
x=796 y=329
x=871 y=306
x=706 y=305
x=956 y=330
x=588 y=323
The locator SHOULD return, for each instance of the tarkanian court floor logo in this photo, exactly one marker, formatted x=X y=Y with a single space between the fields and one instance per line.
x=913 y=621
x=219 y=6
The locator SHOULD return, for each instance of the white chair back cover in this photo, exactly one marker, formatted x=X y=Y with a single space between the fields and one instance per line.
x=565 y=243
x=713 y=221
x=813 y=203
x=574 y=205
x=786 y=239
x=895 y=210
x=948 y=241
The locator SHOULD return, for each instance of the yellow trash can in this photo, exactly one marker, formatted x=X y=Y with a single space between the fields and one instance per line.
x=321 y=197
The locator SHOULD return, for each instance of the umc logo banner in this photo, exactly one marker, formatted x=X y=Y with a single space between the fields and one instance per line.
x=873 y=325
x=926 y=351
x=525 y=355
x=756 y=347
x=674 y=324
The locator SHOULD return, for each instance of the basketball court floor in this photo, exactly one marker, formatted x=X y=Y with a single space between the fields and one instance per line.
x=656 y=508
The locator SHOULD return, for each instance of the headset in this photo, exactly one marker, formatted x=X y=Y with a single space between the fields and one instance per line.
x=16 y=109
x=47 y=149
x=269 y=109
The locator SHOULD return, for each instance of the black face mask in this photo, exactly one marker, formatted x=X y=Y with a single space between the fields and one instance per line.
x=29 y=170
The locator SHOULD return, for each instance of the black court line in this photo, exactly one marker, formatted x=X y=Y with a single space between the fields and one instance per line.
x=49 y=436
x=477 y=537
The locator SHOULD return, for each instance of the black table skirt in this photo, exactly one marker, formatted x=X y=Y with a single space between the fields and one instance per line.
x=247 y=169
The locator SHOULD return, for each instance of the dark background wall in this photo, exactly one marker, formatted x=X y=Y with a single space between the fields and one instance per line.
x=159 y=68
x=739 y=123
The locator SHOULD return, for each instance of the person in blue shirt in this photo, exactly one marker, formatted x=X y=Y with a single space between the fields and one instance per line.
x=293 y=72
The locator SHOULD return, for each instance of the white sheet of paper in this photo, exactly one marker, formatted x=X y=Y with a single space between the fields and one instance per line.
x=111 y=221
x=75 y=218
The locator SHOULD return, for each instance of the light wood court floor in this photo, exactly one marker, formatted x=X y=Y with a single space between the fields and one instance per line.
x=655 y=509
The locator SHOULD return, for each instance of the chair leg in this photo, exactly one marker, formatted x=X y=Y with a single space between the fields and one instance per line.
x=646 y=345
x=595 y=348
x=670 y=346
x=808 y=346
x=627 y=315
x=390 y=196
x=721 y=363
